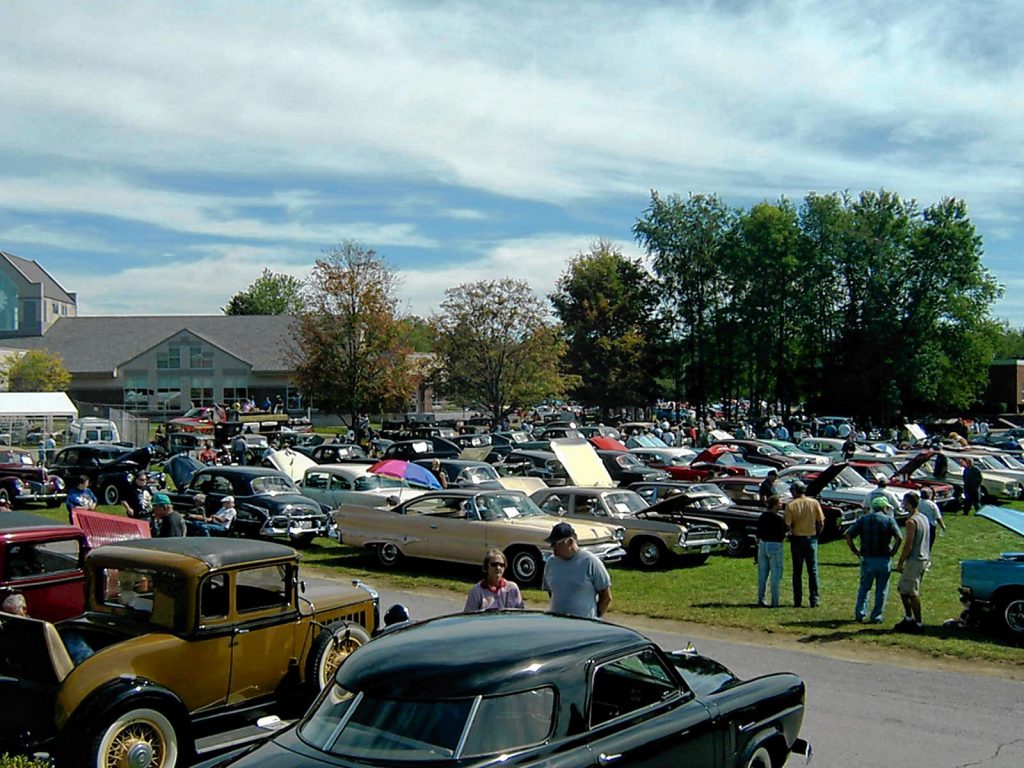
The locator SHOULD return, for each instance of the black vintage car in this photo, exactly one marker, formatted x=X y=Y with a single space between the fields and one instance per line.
x=625 y=468
x=110 y=468
x=422 y=448
x=530 y=689
x=267 y=502
x=336 y=453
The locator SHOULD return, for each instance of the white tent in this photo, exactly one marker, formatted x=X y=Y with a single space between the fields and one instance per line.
x=36 y=405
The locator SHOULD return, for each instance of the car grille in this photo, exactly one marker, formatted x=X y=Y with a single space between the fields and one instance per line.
x=702 y=532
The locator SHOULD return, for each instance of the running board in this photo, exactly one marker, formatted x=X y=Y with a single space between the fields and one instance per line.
x=264 y=728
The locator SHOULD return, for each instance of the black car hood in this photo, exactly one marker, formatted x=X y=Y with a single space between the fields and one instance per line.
x=826 y=476
x=132 y=460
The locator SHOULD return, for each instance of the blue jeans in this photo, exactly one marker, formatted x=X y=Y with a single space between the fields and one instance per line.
x=874 y=571
x=804 y=549
x=769 y=558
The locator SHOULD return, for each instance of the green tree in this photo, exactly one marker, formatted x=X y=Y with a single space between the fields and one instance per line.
x=606 y=304
x=38 y=371
x=495 y=348
x=1008 y=342
x=270 y=294
x=349 y=358
x=417 y=334
x=688 y=240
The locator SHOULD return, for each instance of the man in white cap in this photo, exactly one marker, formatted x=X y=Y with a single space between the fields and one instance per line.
x=882 y=491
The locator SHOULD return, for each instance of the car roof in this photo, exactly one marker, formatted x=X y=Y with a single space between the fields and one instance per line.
x=242 y=471
x=200 y=552
x=24 y=521
x=492 y=650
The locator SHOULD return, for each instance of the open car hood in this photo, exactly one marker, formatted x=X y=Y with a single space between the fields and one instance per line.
x=139 y=458
x=581 y=462
x=915 y=462
x=606 y=443
x=826 y=476
x=711 y=453
x=181 y=468
x=292 y=463
x=1004 y=516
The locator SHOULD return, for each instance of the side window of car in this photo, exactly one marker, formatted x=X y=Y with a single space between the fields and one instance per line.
x=213 y=598
x=556 y=504
x=510 y=723
x=339 y=483
x=629 y=684
x=317 y=480
x=260 y=589
x=221 y=484
x=26 y=561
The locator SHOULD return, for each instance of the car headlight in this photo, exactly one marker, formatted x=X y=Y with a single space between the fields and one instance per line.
x=620 y=534
x=682 y=538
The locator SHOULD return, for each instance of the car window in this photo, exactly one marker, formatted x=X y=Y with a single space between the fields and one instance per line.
x=431 y=505
x=316 y=480
x=271 y=484
x=128 y=589
x=258 y=589
x=512 y=722
x=213 y=597
x=629 y=684
x=32 y=560
x=555 y=504
x=220 y=484
x=339 y=483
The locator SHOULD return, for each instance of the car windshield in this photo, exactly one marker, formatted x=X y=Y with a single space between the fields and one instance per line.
x=1010 y=462
x=506 y=506
x=624 y=503
x=628 y=461
x=271 y=484
x=391 y=730
x=848 y=477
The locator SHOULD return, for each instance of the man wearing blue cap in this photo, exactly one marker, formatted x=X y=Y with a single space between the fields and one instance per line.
x=169 y=522
x=879 y=540
x=577 y=580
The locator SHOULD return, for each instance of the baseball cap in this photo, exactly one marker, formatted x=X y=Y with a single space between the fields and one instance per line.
x=559 y=532
x=880 y=503
x=161 y=498
x=881 y=479
x=226 y=499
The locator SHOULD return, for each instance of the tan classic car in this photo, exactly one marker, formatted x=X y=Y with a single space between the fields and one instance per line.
x=460 y=525
x=181 y=637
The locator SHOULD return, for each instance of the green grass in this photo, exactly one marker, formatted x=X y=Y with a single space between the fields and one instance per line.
x=722 y=593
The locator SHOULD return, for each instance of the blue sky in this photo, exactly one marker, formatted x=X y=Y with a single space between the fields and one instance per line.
x=156 y=156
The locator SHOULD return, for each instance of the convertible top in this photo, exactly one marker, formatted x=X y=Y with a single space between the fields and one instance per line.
x=211 y=551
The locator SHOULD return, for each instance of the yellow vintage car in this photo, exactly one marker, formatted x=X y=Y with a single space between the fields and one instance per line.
x=460 y=525
x=181 y=638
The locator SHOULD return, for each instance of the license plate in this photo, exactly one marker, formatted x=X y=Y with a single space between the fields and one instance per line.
x=705 y=549
x=305 y=523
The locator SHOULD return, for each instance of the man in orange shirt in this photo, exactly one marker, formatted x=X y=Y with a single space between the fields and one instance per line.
x=804 y=521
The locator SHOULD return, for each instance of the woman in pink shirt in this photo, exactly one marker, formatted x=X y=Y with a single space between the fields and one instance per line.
x=493 y=592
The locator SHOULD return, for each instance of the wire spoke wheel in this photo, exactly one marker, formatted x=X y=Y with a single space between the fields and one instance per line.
x=142 y=738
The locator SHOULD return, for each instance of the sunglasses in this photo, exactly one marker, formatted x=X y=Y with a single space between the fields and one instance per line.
x=495 y=564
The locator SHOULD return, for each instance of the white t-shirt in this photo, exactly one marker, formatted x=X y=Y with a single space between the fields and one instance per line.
x=224 y=516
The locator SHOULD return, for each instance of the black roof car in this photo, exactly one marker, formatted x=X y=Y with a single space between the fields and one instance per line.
x=108 y=467
x=267 y=502
x=625 y=468
x=571 y=687
x=422 y=448
x=463 y=473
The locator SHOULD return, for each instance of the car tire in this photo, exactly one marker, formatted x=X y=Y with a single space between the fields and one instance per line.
x=1013 y=616
x=525 y=565
x=760 y=759
x=331 y=647
x=111 y=495
x=5 y=496
x=389 y=555
x=138 y=737
x=649 y=553
x=736 y=546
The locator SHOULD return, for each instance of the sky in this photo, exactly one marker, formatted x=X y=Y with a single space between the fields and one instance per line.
x=155 y=157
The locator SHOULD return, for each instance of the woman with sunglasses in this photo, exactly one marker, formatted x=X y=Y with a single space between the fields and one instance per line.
x=493 y=592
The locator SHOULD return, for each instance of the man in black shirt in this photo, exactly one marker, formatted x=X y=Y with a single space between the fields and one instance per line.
x=771 y=532
x=767 y=487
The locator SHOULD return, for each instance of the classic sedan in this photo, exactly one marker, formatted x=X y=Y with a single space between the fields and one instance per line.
x=995 y=588
x=332 y=485
x=460 y=525
x=461 y=473
x=22 y=481
x=176 y=633
x=649 y=542
x=267 y=501
x=530 y=689
x=110 y=468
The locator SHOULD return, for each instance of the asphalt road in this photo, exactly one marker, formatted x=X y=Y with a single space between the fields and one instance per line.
x=859 y=712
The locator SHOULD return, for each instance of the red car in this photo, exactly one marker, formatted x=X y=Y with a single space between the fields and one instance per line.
x=901 y=476
x=42 y=559
x=714 y=461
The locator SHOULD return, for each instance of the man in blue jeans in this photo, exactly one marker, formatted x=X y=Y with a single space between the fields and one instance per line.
x=879 y=540
x=805 y=522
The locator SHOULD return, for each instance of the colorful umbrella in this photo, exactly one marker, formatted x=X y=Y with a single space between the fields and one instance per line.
x=414 y=474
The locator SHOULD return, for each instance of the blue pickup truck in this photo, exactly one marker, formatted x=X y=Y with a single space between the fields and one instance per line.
x=995 y=588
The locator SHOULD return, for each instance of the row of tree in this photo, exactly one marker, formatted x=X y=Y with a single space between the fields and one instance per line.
x=862 y=305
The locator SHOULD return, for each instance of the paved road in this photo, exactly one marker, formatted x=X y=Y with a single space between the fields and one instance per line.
x=858 y=713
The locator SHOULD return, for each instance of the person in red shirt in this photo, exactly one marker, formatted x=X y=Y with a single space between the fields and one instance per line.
x=493 y=592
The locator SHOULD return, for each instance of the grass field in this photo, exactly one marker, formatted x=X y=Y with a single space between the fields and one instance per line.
x=722 y=593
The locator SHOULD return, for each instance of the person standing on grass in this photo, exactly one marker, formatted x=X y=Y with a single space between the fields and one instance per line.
x=879 y=540
x=805 y=522
x=972 y=486
x=914 y=561
x=771 y=532
x=931 y=510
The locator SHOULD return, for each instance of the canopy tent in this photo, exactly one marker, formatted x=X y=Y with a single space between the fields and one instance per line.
x=36 y=404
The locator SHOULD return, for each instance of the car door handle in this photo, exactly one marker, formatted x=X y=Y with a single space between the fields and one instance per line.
x=241 y=631
x=604 y=759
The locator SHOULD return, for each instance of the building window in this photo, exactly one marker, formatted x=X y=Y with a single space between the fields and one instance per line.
x=198 y=358
x=168 y=393
x=236 y=389
x=169 y=360
x=56 y=308
x=200 y=390
x=136 y=391
x=293 y=399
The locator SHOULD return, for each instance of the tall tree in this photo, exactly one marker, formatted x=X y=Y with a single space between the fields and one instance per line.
x=38 y=371
x=270 y=294
x=349 y=357
x=495 y=348
x=606 y=304
x=687 y=240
